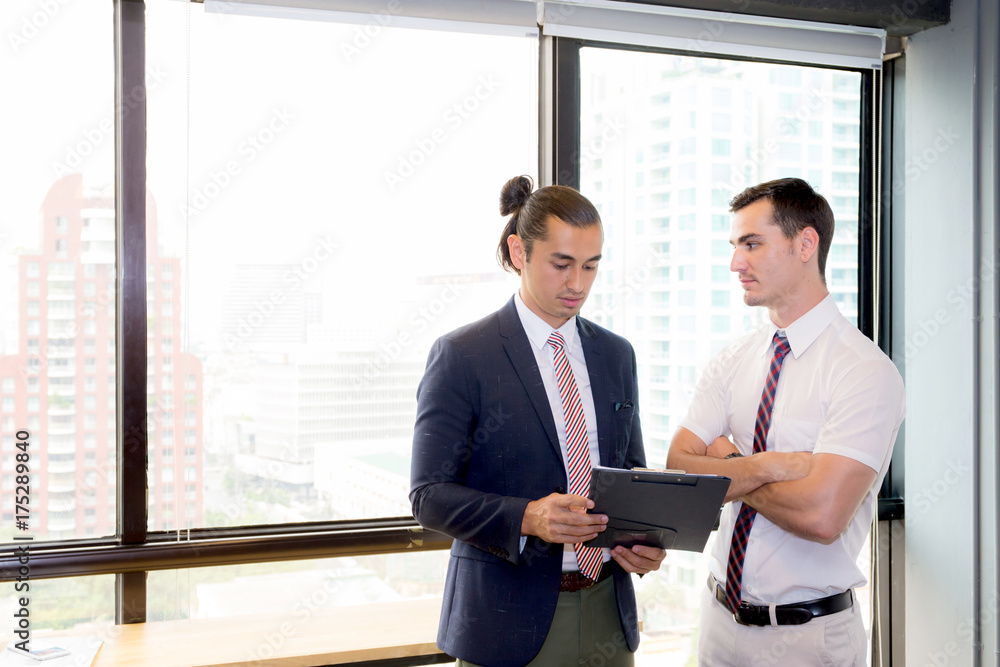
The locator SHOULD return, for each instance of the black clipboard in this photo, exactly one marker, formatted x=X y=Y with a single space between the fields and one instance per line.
x=663 y=508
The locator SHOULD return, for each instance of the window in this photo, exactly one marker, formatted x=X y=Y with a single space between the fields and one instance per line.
x=789 y=151
x=709 y=310
x=350 y=384
x=721 y=248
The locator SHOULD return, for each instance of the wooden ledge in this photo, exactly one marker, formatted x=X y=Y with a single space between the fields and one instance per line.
x=329 y=636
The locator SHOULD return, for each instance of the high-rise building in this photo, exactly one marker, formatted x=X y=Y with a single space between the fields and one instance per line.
x=663 y=151
x=60 y=384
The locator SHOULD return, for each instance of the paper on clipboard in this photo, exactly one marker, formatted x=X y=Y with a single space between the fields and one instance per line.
x=664 y=508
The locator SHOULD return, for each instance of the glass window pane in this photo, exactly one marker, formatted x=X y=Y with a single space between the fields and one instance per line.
x=770 y=109
x=291 y=587
x=68 y=603
x=57 y=236
x=339 y=214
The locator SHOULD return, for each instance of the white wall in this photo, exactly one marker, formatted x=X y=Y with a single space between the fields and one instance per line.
x=934 y=335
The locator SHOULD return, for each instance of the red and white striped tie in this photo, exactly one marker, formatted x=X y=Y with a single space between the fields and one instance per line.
x=577 y=449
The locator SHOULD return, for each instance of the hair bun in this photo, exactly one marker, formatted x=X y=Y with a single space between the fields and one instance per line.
x=514 y=193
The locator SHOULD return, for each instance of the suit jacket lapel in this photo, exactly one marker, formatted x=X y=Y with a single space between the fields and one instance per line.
x=518 y=348
x=600 y=387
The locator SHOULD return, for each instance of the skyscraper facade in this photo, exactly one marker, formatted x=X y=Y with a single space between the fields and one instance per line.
x=60 y=383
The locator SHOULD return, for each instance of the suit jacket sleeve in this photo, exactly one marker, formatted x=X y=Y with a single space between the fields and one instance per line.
x=449 y=422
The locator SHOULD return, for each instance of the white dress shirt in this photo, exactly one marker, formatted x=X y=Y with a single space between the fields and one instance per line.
x=538 y=332
x=838 y=393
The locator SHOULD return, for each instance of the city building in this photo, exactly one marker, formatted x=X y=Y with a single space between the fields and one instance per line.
x=60 y=383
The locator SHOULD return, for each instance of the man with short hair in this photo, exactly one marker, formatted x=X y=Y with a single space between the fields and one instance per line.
x=813 y=408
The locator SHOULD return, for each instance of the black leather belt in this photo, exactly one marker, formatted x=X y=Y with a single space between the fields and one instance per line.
x=785 y=614
x=572 y=582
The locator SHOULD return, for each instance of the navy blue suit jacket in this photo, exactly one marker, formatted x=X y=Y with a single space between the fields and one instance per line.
x=484 y=445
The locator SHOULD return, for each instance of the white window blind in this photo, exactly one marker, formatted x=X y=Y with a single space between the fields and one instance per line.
x=714 y=33
x=498 y=17
x=688 y=30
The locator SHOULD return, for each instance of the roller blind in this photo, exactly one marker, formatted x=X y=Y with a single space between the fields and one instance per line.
x=688 y=30
x=504 y=17
x=714 y=33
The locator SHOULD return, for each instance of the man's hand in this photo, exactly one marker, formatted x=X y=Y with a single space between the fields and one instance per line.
x=721 y=447
x=780 y=466
x=748 y=473
x=639 y=559
x=562 y=518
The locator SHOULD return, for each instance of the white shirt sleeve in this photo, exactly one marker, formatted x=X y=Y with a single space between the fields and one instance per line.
x=864 y=414
x=707 y=414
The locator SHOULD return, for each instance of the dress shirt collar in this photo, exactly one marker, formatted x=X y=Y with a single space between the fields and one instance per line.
x=804 y=331
x=538 y=330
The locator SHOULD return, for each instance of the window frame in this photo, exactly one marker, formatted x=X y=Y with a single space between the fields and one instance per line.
x=874 y=239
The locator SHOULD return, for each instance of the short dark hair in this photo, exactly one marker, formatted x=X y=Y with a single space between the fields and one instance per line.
x=796 y=206
x=530 y=211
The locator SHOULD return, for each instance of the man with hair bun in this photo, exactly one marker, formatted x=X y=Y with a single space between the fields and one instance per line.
x=813 y=408
x=511 y=413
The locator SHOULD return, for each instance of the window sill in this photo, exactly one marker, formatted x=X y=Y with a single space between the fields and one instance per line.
x=330 y=636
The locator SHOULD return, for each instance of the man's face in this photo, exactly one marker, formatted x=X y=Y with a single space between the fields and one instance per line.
x=765 y=261
x=557 y=278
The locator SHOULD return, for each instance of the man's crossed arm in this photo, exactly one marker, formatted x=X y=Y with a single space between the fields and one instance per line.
x=814 y=496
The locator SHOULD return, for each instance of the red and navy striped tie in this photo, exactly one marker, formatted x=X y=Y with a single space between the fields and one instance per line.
x=577 y=449
x=744 y=522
